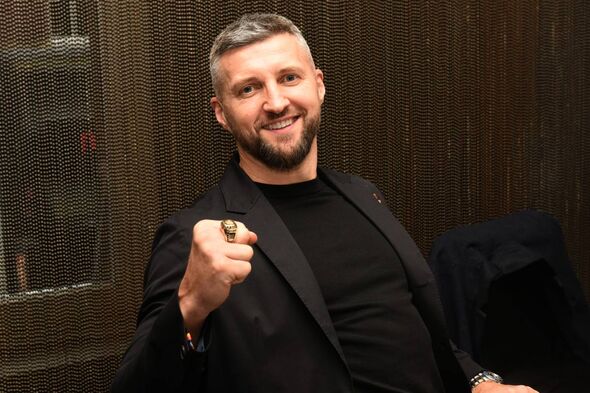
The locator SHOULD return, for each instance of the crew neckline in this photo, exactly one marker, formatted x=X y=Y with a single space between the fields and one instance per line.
x=307 y=187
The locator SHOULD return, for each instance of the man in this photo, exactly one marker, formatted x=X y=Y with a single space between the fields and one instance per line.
x=333 y=295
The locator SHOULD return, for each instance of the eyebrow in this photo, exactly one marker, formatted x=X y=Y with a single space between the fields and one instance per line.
x=291 y=69
x=244 y=81
x=250 y=79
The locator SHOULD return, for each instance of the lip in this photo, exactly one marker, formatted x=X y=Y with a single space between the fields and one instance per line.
x=284 y=129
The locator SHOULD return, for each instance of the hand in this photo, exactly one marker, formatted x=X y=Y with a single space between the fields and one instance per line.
x=213 y=267
x=494 y=387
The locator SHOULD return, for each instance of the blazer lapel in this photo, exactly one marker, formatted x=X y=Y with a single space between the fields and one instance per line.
x=275 y=241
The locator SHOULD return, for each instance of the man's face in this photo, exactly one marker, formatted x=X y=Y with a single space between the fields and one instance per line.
x=270 y=100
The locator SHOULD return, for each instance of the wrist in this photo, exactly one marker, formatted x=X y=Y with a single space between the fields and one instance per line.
x=196 y=344
x=193 y=316
x=484 y=377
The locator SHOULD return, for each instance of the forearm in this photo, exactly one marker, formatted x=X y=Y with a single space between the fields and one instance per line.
x=153 y=361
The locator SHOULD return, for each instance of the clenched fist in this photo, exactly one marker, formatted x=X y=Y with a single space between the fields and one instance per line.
x=214 y=265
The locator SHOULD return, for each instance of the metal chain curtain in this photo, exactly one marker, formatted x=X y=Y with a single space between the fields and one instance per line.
x=460 y=112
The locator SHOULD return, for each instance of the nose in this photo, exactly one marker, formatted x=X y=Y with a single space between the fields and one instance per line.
x=275 y=102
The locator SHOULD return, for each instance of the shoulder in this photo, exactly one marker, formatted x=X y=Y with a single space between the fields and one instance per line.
x=346 y=178
x=347 y=181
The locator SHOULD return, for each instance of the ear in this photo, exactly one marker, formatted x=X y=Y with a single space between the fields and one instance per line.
x=219 y=113
x=319 y=78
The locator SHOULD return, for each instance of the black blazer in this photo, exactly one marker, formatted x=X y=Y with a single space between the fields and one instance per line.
x=274 y=333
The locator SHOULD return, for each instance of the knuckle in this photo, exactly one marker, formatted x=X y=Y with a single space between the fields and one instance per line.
x=200 y=225
x=205 y=227
x=242 y=227
x=206 y=248
x=198 y=233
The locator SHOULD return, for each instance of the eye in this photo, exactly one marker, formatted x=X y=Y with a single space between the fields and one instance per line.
x=247 y=90
x=290 y=78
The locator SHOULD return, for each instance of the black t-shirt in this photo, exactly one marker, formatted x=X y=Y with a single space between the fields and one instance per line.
x=384 y=340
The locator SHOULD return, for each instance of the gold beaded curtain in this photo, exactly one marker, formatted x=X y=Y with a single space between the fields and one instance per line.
x=460 y=111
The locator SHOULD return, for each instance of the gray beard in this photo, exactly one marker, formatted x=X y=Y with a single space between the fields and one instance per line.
x=273 y=157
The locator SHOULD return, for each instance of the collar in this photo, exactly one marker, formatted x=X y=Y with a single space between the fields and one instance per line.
x=240 y=193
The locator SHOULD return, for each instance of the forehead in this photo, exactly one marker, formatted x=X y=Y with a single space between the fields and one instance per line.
x=270 y=55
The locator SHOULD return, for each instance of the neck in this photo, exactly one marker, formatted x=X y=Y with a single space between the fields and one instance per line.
x=260 y=173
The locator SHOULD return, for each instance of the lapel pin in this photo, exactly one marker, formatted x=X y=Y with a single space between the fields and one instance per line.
x=376 y=197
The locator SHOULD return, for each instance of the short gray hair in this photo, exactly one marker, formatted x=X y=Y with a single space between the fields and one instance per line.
x=247 y=30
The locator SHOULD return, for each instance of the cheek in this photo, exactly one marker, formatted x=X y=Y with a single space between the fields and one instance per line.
x=242 y=115
x=249 y=110
x=310 y=99
x=312 y=103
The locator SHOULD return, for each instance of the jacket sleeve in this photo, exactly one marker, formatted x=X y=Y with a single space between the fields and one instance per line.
x=153 y=362
x=469 y=366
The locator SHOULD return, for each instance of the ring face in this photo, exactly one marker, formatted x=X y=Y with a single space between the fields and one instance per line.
x=229 y=228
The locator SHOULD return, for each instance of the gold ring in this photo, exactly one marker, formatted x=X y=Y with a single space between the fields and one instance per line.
x=229 y=228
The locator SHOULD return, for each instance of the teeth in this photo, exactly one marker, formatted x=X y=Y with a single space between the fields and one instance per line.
x=280 y=124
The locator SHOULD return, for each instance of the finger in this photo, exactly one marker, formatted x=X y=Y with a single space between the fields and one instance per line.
x=253 y=238
x=242 y=252
x=242 y=233
x=238 y=270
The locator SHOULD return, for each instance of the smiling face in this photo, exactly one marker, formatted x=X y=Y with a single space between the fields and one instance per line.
x=270 y=100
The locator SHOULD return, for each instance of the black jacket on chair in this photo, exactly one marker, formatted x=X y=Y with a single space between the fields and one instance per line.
x=274 y=333
x=512 y=300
